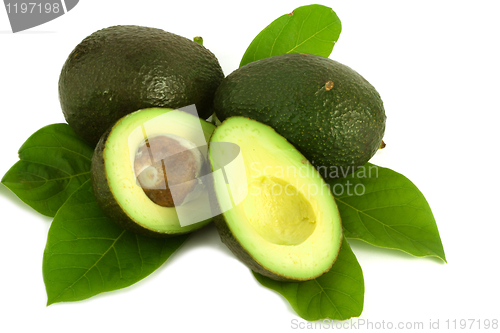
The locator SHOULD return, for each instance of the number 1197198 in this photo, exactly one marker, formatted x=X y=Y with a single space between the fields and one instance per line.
x=32 y=7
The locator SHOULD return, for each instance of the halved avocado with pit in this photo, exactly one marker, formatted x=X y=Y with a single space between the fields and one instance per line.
x=139 y=160
x=288 y=226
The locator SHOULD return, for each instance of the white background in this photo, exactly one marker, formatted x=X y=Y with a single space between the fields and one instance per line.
x=436 y=66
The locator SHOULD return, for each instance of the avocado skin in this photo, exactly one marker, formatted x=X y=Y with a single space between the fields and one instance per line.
x=120 y=69
x=339 y=128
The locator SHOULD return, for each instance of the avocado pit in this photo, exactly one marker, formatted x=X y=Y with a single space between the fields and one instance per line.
x=163 y=161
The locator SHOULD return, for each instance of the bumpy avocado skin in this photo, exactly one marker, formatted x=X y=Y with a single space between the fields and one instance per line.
x=329 y=112
x=120 y=69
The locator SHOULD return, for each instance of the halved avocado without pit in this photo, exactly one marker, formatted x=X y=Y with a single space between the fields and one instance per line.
x=288 y=226
x=139 y=162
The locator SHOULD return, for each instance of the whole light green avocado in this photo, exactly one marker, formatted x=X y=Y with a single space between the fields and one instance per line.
x=121 y=69
x=329 y=112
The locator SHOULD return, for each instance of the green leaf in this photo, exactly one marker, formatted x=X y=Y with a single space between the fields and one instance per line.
x=54 y=162
x=312 y=29
x=384 y=208
x=87 y=253
x=337 y=294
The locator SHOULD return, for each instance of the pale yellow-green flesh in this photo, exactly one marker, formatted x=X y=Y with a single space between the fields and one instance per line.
x=121 y=147
x=284 y=217
x=295 y=233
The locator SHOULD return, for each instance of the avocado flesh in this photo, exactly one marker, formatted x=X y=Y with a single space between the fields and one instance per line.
x=328 y=111
x=121 y=69
x=114 y=178
x=288 y=226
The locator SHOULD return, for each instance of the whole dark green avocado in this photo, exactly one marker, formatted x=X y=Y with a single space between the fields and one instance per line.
x=329 y=112
x=121 y=69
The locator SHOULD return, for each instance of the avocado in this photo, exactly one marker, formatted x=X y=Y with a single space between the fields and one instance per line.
x=288 y=226
x=121 y=69
x=138 y=161
x=329 y=112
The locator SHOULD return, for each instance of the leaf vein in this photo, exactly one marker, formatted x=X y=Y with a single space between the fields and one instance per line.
x=46 y=180
x=385 y=227
x=50 y=147
x=139 y=252
x=343 y=293
x=277 y=37
x=307 y=39
x=95 y=264
x=329 y=299
x=118 y=261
